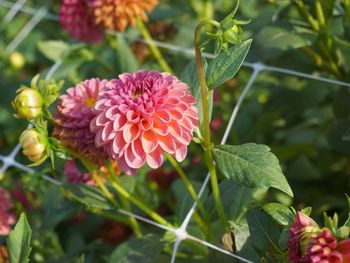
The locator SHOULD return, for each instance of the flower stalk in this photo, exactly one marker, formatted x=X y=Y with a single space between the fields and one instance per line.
x=154 y=49
x=205 y=126
x=124 y=202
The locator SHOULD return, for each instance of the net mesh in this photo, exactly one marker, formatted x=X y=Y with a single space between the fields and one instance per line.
x=257 y=68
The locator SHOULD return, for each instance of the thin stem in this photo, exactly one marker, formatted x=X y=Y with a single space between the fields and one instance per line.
x=202 y=224
x=320 y=15
x=154 y=49
x=312 y=21
x=140 y=205
x=325 y=42
x=187 y=183
x=124 y=202
x=103 y=188
x=205 y=126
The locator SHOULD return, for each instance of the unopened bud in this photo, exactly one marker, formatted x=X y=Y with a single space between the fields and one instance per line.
x=17 y=60
x=28 y=103
x=34 y=146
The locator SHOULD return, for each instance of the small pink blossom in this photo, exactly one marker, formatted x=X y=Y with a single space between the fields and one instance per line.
x=140 y=115
x=308 y=243
x=7 y=218
x=75 y=18
x=74 y=114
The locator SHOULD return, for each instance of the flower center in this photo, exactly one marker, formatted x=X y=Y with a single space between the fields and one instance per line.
x=138 y=93
x=89 y=102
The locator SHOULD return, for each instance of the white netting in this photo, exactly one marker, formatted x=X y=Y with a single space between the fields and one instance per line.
x=181 y=233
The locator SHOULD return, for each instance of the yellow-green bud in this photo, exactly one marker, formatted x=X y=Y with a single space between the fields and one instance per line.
x=17 y=60
x=34 y=145
x=28 y=103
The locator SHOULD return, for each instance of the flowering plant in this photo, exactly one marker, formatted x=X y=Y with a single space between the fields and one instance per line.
x=121 y=147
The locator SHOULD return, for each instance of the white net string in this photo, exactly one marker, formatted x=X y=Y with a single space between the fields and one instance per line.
x=181 y=232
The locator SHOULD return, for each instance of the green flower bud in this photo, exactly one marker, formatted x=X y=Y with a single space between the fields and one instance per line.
x=34 y=146
x=28 y=104
x=17 y=60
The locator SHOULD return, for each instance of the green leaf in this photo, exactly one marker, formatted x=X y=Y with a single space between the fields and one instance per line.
x=18 y=242
x=126 y=60
x=88 y=195
x=265 y=233
x=128 y=183
x=53 y=50
x=142 y=249
x=184 y=200
x=190 y=76
x=251 y=165
x=226 y=65
x=278 y=39
x=280 y=213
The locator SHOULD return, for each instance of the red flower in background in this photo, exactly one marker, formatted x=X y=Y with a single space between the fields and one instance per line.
x=308 y=243
x=7 y=218
x=75 y=18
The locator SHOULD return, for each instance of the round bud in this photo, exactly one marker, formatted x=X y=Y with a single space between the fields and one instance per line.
x=28 y=103
x=17 y=60
x=34 y=145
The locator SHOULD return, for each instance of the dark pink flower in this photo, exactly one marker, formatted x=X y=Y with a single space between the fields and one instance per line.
x=140 y=115
x=308 y=243
x=343 y=248
x=7 y=218
x=75 y=18
x=74 y=114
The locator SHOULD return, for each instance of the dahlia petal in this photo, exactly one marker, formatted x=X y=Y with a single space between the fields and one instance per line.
x=130 y=132
x=119 y=122
x=155 y=158
x=163 y=115
x=149 y=141
x=132 y=160
x=167 y=144
x=126 y=168
x=108 y=133
x=118 y=145
x=180 y=153
x=137 y=149
x=160 y=128
x=146 y=124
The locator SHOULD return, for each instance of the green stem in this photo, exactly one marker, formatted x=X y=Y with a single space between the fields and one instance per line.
x=187 y=183
x=320 y=15
x=208 y=9
x=202 y=224
x=207 y=145
x=154 y=49
x=325 y=42
x=303 y=10
x=124 y=202
x=104 y=189
x=140 y=205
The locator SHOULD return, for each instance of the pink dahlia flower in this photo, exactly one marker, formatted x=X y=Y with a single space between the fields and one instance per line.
x=140 y=115
x=308 y=243
x=6 y=217
x=75 y=19
x=74 y=114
